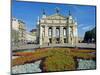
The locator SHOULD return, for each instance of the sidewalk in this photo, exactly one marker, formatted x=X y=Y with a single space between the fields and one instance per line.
x=33 y=46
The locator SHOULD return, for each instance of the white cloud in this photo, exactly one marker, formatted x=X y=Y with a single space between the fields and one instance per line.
x=89 y=27
x=81 y=25
x=86 y=27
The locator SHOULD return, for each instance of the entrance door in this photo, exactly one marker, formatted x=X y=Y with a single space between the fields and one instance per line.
x=57 y=40
x=50 y=40
x=64 y=40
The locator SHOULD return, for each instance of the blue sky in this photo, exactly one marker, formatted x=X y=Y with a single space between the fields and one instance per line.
x=29 y=12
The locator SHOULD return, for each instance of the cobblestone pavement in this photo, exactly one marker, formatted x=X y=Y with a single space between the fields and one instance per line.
x=33 y=46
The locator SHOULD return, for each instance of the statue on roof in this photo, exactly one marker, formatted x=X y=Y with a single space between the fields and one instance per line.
x=69 y=13
x=44 y=12
x=57 y=10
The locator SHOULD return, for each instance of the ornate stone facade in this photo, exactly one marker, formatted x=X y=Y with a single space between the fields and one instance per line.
x=57 y=29
x=18 y=31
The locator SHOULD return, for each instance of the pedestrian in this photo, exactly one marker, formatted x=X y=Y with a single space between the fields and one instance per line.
x=48 y=43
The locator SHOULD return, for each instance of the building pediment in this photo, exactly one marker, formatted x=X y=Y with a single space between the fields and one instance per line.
x=55 y=16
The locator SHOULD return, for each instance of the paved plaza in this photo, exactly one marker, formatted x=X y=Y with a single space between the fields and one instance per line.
x=34 y=46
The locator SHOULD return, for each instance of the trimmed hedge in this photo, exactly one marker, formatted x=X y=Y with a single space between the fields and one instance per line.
x=58 y=63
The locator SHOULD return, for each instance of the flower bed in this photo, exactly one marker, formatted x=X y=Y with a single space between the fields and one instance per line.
x=56 y=59
x=27 y=68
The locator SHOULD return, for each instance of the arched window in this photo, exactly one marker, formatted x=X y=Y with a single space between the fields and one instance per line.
x=49 y=31
x=57 y=32
x=64 y=31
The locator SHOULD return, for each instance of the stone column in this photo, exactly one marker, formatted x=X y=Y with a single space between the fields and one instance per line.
x=53 y=35
x=72 y=35
x=40 y=39
x=61 y=35
x=46 y=40
x=75 y=34
x=68 y=34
